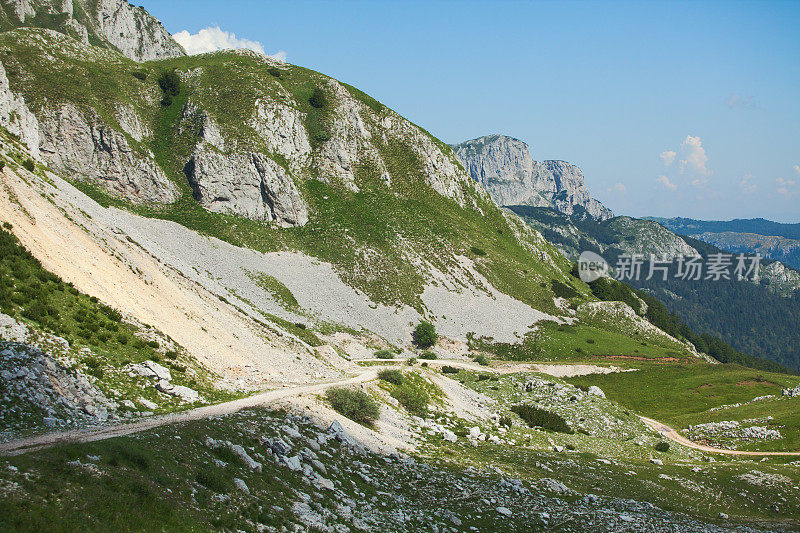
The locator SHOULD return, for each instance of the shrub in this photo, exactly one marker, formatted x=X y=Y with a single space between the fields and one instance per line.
x=170 y=83
x=536 y=417
x=140 y=75
x=562 y=290
x=414 y=399
x=484 y=377
x=427 y=354
x=2 y=166
x=425 y=335
x=391 y=376
x=481 y=359
x=171 y=354
x=354 y=404
x=318 y=98
x=122 y=338
x=274 y=72
x=590 y=341
x=505 y=421
x=153 y=344
x=29 y=165
x=411 y=361
x=384 y=354
x=662 y=446
x=447 y=369
x=300 y=325
x=477 y=251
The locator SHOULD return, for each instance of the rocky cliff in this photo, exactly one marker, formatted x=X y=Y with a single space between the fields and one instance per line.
x=505 y=168
x=110 y=23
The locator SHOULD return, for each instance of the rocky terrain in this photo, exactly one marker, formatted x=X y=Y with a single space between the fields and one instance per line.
x=115 y=23
x=505 y=168
x=211 y=297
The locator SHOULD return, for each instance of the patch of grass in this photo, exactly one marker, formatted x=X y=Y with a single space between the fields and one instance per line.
x=276 y=289
x=682 y=394
x=354 y=404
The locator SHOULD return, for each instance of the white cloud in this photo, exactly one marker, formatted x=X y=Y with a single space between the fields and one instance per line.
x=785 y=187
x=694 y=158
x=796 y=169
x=663 y=180
x=738 y=101
x=747 y=186
x=668 y=157
x=619 y=188
x=214 y=38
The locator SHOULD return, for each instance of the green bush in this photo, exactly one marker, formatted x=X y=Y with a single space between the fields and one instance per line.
x=447 y=369
x=536 y=417
x=427 y=354
x=425 y=335
x=384 y=354
x=140 y=75
x=478 y=251
x=275 y=72
x=2 y=166
x=391 y=376
x=153 y=344
x=318 y=98
x=171 y=354
x=415 y=399
x=505 y=421
x=662 y=446
x=29 y=165
x=481 y=359
x=354 y=404
x=562 y=290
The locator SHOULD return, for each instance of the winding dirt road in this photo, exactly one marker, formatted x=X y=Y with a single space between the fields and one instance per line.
x=19 y=446
x=673 y=435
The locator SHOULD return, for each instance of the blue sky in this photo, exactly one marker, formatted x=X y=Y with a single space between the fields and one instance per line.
x=615 y=87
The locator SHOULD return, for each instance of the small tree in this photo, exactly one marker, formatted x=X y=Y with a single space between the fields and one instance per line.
x=318 y=98
x=425 y=335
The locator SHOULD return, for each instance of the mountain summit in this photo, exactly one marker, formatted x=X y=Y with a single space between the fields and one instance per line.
x=114 y=24
x=504 y=167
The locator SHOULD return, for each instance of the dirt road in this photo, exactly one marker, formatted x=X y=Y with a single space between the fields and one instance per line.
x=673 y=435
x=16 y=447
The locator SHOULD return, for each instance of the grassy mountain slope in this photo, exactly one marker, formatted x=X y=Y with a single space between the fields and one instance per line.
x=375 y=234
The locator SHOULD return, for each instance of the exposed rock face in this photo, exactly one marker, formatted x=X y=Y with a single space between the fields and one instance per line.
x=505 y=168
x=130 y=29
x=85 y=148
x=249 y=185
x=16 y=117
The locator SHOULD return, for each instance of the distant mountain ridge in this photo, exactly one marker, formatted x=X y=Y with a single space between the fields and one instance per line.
x=505 y=168
x=773 y=240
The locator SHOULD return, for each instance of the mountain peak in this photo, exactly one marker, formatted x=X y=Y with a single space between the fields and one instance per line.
x=505 y=168
x=114 y=24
